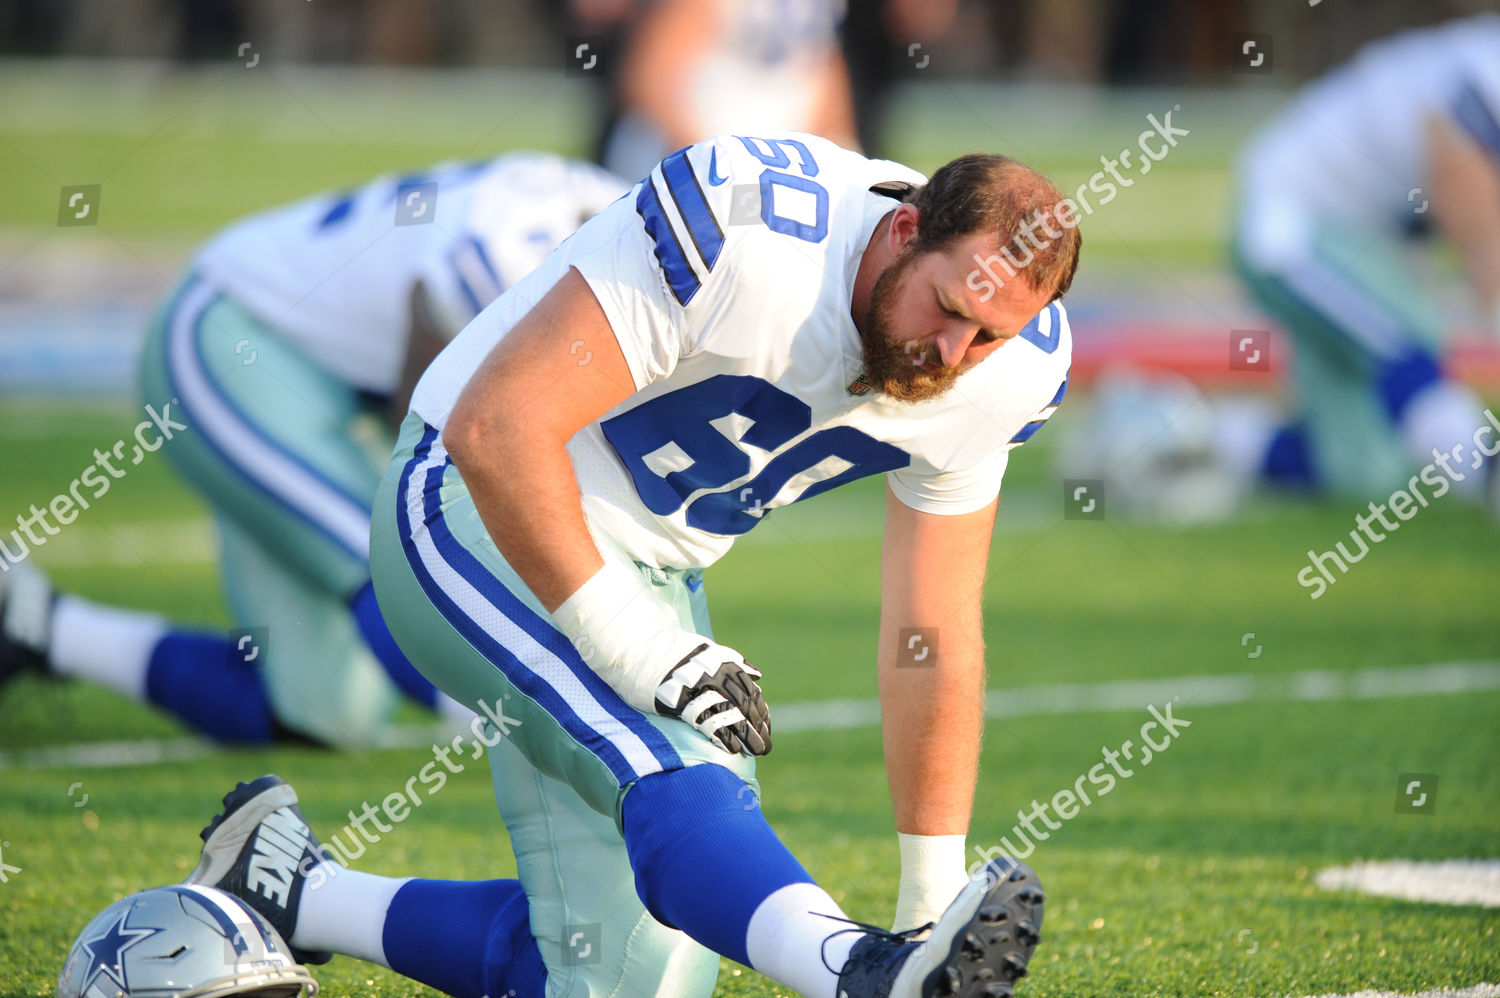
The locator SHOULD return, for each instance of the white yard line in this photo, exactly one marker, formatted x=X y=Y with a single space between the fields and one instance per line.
x=834 y=715
x=1477 y=991
x=1449 y=881
x=1189 y=691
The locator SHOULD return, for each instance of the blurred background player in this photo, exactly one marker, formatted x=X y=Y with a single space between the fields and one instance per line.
x=1405 y=135
x=696 y=68
x=882 y=41
x=293 y=338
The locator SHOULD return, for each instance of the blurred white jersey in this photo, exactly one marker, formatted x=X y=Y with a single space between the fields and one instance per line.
x=727 y=277
x=1350 y=147
x=332 y=273
x=764 y=68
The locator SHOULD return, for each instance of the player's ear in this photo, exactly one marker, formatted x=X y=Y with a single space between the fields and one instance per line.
x=903 y=231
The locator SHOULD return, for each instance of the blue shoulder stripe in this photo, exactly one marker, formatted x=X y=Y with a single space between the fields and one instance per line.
x=471 y=250
x=475 y=305
x=669 y=252
x=338 y=211
x=693 y=206
x=1029 y=430
x=1478 y=119
x=1032 y=333
x=1062 y=390
x=484 y=261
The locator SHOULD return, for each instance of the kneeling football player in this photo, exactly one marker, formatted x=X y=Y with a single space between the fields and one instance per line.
x=760 y=321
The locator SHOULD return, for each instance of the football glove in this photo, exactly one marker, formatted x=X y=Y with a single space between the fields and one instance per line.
x=634 y=642
x=715 y=690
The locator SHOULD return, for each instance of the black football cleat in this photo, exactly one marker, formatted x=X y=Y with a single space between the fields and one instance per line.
x=978 y=949
x=262 y=851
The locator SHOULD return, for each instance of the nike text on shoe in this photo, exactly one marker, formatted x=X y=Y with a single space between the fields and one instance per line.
x=261 y=851
x=26 y=601
x=978 y=949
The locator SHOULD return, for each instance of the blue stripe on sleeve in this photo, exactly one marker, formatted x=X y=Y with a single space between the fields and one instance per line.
x=337 y=212
x=484 y=261
x=475 y=305
x=1027 y=431
x=1478 y=119
x=693 y=206
x=1062 y=390
x=669 y=252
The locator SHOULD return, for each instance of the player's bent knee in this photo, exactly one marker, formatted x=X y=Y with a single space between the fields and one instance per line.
x=702 y=853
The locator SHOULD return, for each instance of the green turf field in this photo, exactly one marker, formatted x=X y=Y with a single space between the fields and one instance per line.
x=1194 y=877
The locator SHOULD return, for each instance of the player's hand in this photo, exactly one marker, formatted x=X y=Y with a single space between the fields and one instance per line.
x=633 y=640
x=715 y=690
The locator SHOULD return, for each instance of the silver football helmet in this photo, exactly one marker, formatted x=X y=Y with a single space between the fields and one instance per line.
x=182 y=941
x=1152 y=439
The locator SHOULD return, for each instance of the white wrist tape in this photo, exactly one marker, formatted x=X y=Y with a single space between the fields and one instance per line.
x=623 y=631
x=932 y=874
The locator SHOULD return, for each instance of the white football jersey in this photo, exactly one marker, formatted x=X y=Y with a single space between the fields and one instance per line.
x=1351 y=147
x=727 y=277
x=332 y=273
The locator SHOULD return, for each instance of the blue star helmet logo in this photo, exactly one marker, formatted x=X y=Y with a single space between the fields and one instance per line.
x=107 y=952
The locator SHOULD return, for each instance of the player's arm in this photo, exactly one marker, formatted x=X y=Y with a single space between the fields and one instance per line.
x=509 y=428
x=1465 y=182
x=669 y=41
x=932 y=706
x=507 y=435
x=833 y=108
x=424 y=341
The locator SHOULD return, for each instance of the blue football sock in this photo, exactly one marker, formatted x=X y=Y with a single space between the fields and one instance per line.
x=704 y=860
x=1401 y=380
x=203 y=681
x=466 y=938
x=1288 y=460
x=378 y=637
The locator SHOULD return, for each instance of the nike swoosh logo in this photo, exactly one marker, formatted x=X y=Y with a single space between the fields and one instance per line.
x=713 y=169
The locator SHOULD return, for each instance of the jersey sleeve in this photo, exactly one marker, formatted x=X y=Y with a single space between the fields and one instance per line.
x=502 y=225
x=658 y=282
x=710 y=238
x=950 y=493
x=460 y=278
x=1476 y=109
x=627 y=282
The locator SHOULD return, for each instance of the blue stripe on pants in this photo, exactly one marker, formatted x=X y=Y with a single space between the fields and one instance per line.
x=623 y=739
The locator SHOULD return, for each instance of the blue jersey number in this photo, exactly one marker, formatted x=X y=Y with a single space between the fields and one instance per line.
x=777 y=157
x=689 y=442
